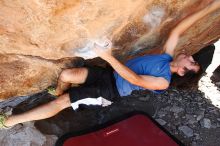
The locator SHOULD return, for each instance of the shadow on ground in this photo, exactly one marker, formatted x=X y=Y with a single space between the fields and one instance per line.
x=186 y=114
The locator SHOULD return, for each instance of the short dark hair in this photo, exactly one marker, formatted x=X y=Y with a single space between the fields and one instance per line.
x=189 y=80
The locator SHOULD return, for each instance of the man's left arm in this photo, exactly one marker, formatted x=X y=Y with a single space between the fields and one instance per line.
x=175 y=34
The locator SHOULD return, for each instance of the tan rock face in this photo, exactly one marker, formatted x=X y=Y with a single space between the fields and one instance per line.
x=33 y=31
x=22 y=75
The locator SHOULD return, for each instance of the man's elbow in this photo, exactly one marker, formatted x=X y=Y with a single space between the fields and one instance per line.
x=155 y=87
x=136 y=81
x=161 y=86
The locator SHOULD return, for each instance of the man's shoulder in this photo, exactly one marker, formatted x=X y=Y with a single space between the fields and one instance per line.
x=156 y=56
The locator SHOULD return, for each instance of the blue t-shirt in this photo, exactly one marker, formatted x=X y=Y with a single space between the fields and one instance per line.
x=153 y=65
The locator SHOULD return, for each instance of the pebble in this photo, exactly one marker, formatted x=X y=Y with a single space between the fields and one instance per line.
x=176 y=109
x=194 y=143
x=167 y=108
x=191 y=119
x=8 y=110
x=199 y=117
x=187 y=131
x=144 y=98
x=197 y=137
x=161 y=122
x=161 y=114
x=206 y=123
x=213 y=126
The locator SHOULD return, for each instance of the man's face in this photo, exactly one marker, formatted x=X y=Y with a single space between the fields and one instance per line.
x=186 y=63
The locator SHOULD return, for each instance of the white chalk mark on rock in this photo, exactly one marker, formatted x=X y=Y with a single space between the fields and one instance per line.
x=88 y=53
x=154 y=16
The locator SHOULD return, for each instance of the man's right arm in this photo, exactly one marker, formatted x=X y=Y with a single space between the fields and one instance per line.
x=145 y=81
x=175 y=34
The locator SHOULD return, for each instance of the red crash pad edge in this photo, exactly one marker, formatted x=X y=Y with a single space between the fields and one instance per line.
x=65 y=137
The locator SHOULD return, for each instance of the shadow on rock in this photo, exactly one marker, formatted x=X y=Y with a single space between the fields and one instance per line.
x=69 y=120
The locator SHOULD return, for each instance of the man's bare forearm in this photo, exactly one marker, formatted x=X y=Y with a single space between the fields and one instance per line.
x=185 y=24
x=122 y=70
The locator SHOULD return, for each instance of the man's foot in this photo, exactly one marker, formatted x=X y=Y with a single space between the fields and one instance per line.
x=52 y=91
x=3 y=118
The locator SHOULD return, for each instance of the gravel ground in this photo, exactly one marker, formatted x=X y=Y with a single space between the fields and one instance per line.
x=192 y=116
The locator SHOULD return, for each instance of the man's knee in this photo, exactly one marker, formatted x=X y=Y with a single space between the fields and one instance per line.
x=75 y=75
x=62 y=101
x=65 y=75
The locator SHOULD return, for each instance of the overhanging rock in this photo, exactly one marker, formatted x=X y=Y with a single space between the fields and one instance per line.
x=36 y=33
